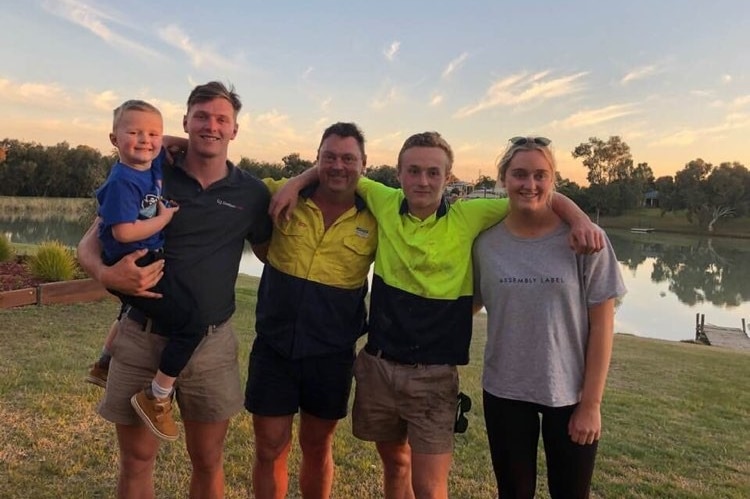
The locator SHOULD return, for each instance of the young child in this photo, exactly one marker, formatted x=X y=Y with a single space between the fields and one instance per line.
x=133 y=215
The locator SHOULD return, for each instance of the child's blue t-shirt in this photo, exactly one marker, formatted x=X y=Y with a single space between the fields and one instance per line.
x=126 y=196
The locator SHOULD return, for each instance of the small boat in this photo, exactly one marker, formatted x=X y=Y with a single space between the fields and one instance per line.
x=642 y=229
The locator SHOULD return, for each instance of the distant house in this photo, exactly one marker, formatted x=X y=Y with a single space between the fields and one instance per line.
x=497 y=192
x=651 y=199
x=464 y=188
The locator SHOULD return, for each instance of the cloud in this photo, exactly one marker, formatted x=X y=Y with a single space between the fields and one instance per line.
x=741 y=101
x=467 y=147
x=384 y=98
x=200 y=56
x=98 y=23
x=325 y=104
x=523 y=88
x=322 y=122
x=726 y=78
x=390 y=139
x=382 y=150
x=390 y=52
x=272 y=118
x=33 y=93
x=736 y=103
x=436 y=100
x=596 y=116
x=273 y=133
x=454 y=64
x=679 y=138
x=106 y=100
x=687 y=136
x=638 y=74
x=306 y=74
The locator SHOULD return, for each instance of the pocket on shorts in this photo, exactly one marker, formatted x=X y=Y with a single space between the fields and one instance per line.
x=116 y=340
x=359 y=365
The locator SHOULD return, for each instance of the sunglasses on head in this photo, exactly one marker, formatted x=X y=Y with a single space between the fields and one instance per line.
x=540 y=141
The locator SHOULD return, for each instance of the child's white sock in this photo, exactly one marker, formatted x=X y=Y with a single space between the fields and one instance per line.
x=159 y=391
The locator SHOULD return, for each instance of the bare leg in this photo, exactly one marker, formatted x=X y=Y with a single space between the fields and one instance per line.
x=205 y=444
x=316 y=441
x=397 y=475
x=138 y=449
x=430 y=475
x=273 y=437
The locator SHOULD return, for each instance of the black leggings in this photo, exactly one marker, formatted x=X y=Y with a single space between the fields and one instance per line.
x=513 y=433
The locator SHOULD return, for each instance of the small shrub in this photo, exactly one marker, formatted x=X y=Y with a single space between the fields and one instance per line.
x=53 y=262
x=6 y=250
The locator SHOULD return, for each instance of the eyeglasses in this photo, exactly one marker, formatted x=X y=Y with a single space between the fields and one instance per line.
x=540 y=141
x=328 y=158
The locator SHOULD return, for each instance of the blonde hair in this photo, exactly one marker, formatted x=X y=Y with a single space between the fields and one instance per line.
x=529 y=143
x=131 y=105
x=427 y=139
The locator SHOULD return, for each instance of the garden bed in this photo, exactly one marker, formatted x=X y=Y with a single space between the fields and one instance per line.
x=18 y=287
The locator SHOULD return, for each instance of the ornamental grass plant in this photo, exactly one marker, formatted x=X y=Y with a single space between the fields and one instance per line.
x=53 y=262
x=6 y=250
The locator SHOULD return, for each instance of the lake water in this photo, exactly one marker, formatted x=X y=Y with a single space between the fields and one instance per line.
x=669 y=278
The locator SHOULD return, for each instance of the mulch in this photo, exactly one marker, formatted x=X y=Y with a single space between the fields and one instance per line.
x=15 y=274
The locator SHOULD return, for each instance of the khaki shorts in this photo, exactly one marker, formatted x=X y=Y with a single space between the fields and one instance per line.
x=394 y=402
x=207 y=390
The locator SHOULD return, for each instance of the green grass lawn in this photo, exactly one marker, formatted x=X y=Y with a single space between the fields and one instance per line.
x=676 y=419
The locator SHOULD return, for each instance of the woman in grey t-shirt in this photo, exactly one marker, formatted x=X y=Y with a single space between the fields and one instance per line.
x=549 y=333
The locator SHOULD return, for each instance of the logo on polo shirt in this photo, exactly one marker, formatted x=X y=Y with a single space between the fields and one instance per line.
x=227 y=203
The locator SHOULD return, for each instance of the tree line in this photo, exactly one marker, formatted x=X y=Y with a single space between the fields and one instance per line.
x=31 y=169
x=705 y=192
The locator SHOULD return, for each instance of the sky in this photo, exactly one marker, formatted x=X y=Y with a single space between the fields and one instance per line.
x=671 y=78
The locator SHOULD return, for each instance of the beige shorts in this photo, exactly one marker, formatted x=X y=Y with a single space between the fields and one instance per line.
x=394 y=402
x=207 y=390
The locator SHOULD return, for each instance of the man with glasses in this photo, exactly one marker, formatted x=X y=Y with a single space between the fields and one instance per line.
x=310 y=312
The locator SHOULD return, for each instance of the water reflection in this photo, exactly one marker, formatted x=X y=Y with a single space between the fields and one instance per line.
x=696 y=270
x=22 y=230
x=671 y=278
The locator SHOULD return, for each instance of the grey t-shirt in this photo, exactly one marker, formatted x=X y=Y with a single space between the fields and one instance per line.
x=537 y=293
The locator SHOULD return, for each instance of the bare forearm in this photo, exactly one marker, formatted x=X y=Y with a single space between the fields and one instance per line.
x=304 y=179
x=566 y=209
x=89 y=252
x=125 y=276
x=585 y=236
x=139 y=230
x=598 y=352
x=284 y=200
